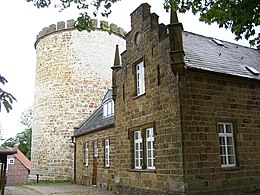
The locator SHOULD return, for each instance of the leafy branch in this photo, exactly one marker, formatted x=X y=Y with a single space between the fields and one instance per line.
x=242 y=17
x=5 y=98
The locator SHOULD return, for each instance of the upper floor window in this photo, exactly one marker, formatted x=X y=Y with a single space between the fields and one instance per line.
x=10 y=161
x=227 y=147
x=107 y=153
x=140 y=80
x=108 y=108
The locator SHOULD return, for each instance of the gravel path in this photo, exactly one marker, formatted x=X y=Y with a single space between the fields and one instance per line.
x=55 y=189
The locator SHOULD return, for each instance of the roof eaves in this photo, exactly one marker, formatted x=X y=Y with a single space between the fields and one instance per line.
x=96 y=129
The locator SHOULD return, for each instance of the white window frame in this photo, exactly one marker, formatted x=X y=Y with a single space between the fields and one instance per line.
x=140 y=79
x=108 y=108
x=95 y=149
x=10 y=161
x=107 y=153
x=227 y=150
x=138 y=150
x=86 y=154
x=150 y=150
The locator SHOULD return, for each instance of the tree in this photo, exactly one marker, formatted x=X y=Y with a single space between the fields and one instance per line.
x=5 y=98
x=24 y=138
x=240 y=16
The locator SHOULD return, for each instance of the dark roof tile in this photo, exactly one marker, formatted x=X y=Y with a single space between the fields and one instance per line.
x=203 y=53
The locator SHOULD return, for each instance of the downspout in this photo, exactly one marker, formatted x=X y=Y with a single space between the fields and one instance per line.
x=74 y=161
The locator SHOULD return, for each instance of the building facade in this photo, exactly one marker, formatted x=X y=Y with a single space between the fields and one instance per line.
x=72 y=75
x=95 y=146
x=187 y=113
x=18 y=168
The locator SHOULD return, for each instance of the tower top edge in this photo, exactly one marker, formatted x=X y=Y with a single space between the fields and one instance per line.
x=70 y=24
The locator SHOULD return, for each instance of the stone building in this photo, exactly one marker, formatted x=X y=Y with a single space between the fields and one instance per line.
x=72 y=74
x=95 y=146
x=186 y=115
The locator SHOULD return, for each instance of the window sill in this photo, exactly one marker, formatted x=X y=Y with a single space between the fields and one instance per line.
x=230 y=168
x=137 y=96
x=143 y=170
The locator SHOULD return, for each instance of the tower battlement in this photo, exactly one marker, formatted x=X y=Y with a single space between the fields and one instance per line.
x=70 y=24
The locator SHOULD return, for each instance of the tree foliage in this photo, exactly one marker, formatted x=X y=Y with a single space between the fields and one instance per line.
x=6 y=98
x=24 y=141
x=240 y=16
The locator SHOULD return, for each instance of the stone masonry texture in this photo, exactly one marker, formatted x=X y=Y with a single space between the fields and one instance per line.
x=72 y=75
x=158 y=108
x=206 y=100
x=184 y=107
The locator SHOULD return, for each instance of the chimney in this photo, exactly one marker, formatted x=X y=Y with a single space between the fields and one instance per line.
x=176 y=44
x=16 y=147
x=115 y=68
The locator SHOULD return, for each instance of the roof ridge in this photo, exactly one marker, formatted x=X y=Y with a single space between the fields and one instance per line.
x=237 y=44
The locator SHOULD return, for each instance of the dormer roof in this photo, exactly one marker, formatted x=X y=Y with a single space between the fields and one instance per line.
x=96 y=121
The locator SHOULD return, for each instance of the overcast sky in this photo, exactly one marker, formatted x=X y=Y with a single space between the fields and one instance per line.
x=21 y=22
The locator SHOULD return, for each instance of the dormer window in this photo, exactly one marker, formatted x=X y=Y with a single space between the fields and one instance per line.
x=108 y=108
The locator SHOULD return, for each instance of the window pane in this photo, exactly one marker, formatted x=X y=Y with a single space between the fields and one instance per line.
x=221 y=141
x=136 y=154
x=109 y=110
x=149 y=145
x=140 y=79
x=149 y=163
x=222 y=150
x=149 y=154
x=136 y=135
x=229 y=141
x=231 y=160
x=230 y=150
x=220 y=128
x=137 y=163
x=223 y=160
x=228 y=128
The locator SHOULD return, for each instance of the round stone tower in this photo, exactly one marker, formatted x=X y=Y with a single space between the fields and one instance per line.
x=72 y=75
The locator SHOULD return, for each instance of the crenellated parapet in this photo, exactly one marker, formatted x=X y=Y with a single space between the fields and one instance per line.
x=70 y=24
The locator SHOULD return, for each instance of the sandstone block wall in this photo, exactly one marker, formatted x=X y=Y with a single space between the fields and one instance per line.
x=72 y=75
x=207 y=100
x=158 y=108
x=84 y=174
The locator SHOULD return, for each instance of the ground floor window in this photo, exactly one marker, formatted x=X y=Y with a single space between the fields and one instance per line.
x=227 y=146
x=144 y=157
x=107 y=153
x=86 y=154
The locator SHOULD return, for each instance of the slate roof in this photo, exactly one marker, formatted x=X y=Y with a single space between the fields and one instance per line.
x=203 y=53
x=96 y=121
